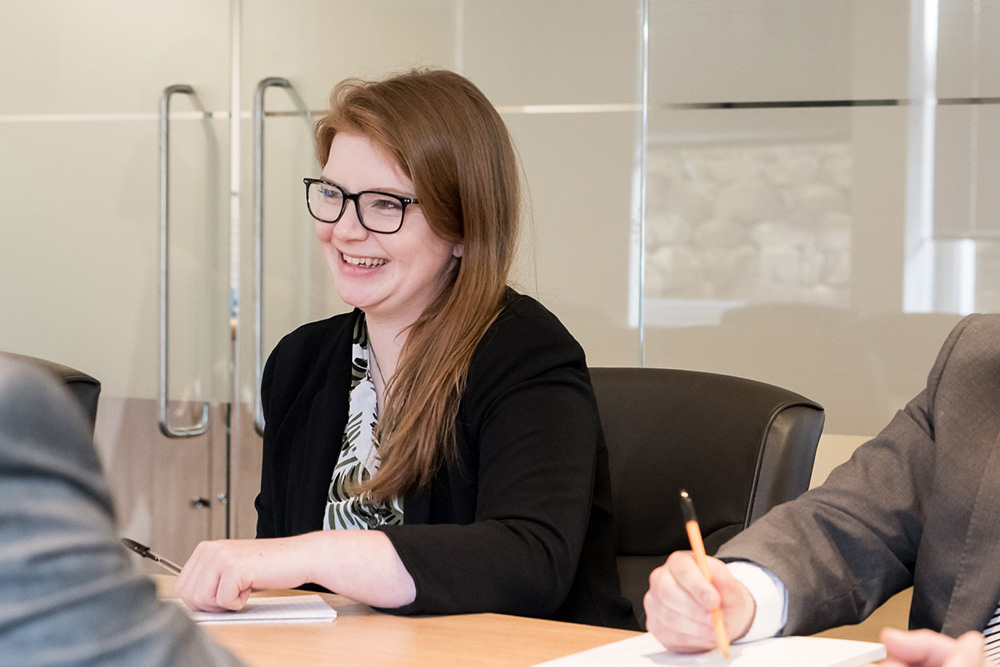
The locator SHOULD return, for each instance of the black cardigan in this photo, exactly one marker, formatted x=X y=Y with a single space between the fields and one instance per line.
x=521 y=525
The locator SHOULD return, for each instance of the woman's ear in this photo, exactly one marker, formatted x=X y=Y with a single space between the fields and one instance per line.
x=457 y=249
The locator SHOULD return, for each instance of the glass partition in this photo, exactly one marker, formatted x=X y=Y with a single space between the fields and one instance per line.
x=820 y=192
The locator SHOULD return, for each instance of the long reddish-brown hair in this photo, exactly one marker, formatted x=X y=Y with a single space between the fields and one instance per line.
x=452 y=144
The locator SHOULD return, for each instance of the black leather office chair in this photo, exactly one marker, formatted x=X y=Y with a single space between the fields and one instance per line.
x=83 y=387
x=738 y=446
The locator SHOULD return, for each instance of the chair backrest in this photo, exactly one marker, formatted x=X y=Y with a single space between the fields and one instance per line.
x=738 y=446
x=84 y=388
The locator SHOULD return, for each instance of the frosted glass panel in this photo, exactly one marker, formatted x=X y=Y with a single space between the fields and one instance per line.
x=78 y=259
x=110 y=56
x=967 y=161
x=968 y=48
x=79 y=184
x=575 y=251
x=316 y=44
x=555 y=52
x=787 y=50
x=828 y=248
x=750 y=204
x=298 y=287
x=770 y=50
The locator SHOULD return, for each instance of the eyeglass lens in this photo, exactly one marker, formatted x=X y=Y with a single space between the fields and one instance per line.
x=377 y=212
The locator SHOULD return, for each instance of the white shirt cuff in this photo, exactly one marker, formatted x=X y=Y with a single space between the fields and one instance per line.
x=770 y=596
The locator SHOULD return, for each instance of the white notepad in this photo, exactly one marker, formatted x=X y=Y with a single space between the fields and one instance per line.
x=286 y=609
x=645 y=651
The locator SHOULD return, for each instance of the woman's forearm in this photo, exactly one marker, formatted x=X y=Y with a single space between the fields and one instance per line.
x=362 y=565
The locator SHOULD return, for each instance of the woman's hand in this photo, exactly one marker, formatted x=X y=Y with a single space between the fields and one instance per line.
x=220 y=575
x=925 y=648
x=361 y=564
x=680 y=600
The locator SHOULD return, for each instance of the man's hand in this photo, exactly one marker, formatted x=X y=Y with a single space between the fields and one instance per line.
x=680 y=601
x=925 y=648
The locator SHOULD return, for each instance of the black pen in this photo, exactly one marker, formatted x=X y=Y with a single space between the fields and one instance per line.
x=144 y=551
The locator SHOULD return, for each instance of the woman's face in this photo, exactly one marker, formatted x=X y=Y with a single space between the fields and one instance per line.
x=391 y=277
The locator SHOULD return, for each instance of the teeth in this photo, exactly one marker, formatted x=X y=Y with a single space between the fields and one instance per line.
x=364 y=261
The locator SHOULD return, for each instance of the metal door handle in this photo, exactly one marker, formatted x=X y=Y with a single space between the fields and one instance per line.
x=258 y=216
x=165 y=427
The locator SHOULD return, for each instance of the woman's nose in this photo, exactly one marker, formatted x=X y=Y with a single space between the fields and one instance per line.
x=349 y=226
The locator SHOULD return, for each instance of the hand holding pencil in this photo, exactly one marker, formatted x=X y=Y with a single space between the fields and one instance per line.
x=682 y=597
x=701 y=559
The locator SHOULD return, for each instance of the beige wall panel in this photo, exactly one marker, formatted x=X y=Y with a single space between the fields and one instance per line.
x=110 y=55
x=986 y=157
x=315 y=44
x=955 y=163
x=880 y=148
x=988 y=276
x=967 y=171
x=832 y=451
x=772 y=50
x=968 y=49
x=554 y=52
x=574 y=253
x=80 y=256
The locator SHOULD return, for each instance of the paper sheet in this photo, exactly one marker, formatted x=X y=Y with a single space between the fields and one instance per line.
x=645 y=651
x=286 y=609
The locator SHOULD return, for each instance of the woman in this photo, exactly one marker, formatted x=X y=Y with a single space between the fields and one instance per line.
x=437 y=450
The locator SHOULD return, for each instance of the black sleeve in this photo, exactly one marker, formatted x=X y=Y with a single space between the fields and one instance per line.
x=530 y=425
x=291 y=369
x=304 y=389
x=263 y=502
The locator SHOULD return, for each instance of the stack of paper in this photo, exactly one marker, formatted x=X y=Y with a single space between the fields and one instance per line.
x=287 y=609
x=645 y=651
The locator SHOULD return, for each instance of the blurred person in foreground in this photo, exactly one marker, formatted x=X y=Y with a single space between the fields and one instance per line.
x=69 y=594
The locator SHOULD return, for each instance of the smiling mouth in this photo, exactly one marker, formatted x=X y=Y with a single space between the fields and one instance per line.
x=369 y=262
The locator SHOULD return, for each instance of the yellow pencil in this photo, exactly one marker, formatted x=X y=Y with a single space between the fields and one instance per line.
x=698 y=547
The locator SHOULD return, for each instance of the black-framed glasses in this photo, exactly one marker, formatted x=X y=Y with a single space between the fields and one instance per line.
x=379 y=212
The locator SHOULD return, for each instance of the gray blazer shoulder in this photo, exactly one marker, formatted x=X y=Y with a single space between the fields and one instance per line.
x=68 y=591
x=917 y=505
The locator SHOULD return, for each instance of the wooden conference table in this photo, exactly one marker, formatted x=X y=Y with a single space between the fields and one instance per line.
x=363 y=636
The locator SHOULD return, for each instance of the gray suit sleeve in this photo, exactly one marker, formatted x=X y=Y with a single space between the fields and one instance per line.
x=68 y=592
x=845 y=547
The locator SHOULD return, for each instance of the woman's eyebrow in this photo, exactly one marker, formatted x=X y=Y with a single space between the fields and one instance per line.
x=390 y=190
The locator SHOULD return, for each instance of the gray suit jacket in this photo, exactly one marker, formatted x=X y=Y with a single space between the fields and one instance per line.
x=919 y=504
x=68 y=592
